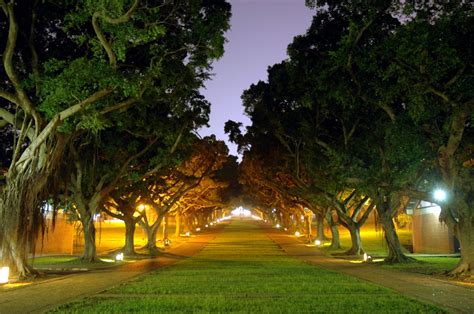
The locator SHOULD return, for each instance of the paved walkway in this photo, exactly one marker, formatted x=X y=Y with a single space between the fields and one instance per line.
x=454 y=297
x=43 y=295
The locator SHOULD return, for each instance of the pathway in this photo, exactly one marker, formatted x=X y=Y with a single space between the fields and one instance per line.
x=447 y=294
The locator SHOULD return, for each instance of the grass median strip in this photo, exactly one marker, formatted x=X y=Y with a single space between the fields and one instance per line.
x=243 y=271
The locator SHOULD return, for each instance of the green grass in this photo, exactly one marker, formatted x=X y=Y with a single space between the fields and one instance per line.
x=427 y=265
x=69 y=262
x=373 y=241
x=243 y=271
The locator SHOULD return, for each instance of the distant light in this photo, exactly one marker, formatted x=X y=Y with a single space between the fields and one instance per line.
x=198 y=229
x=141 y=207
x=207 y=226
x=119 y=257
x=365 y=257
x=188 y=234
x=440 y=195
x=277 y=226
x=218 y=220
x=297 y=233
x=317 y=242
x=256 y=217
x=4 y=274
x=286 y=229
x=212 y=224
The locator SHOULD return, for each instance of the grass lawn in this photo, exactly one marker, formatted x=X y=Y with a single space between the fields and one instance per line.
x=70 y=262
x=243 y=271
x=427 y=265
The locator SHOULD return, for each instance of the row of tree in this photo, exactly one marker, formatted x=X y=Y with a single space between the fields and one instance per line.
x=373 y=108
x=99 y=100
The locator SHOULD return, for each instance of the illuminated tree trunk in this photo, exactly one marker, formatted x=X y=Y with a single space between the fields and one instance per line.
x=395 y=253
x=465 y=234
x=165 y=230
x=21 y=218
x=177 y=218
x=130 y=226
x=335 y=240
x=356 y=248
x=90 y=251
x=320 y=227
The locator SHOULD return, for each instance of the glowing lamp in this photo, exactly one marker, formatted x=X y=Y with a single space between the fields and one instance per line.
x=119 y=257
x=440 y=195
x=212 y=224
x=277 y=226
x=207 y=226
x=367 y=258
x=198 y=229
x=297 y=233
x=286 y=229
x=188 y=234
x=317 y=242
x=4 y=274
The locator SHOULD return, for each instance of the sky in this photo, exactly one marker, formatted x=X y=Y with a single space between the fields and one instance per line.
x=260 y=33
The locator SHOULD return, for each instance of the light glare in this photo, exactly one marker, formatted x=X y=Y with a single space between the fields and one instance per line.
x=439 y=195
x=4 y=274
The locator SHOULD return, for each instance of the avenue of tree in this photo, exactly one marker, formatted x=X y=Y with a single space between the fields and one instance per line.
x=372 y=109
x=100 y=101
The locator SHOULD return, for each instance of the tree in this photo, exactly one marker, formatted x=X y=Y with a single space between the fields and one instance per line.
x=65 y=66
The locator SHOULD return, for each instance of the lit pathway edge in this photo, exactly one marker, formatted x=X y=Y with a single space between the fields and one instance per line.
x=44 y=295
x=454 y=298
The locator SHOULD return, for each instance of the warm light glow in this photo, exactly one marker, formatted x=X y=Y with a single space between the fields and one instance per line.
x=317 y=242
x=141 y=207
x=207 y=226
x=188 y=234
x=286 y=229
x=241 y=212
x=277 y=226
x=256 y=217
x=4 y=274
x=365 y=257
x=440 y=195
x=119 y=257
x=198 y=229
x=212 y=224
x=297 y=233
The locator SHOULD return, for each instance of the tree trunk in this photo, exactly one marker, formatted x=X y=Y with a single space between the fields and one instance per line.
x=21 y=218
x=307 y=219
x=90 y=251
x=356 y=248
x=129 y=248
x=395 y=253
x=320 y=227
x=335 y=239
x=177 y=219
x=465 y=233
x=165 y=231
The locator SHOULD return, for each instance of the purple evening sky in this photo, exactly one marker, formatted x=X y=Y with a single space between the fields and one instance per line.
x=260 y=33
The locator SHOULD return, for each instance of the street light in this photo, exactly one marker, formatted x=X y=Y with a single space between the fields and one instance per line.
x=440 y=195
x=4 y=273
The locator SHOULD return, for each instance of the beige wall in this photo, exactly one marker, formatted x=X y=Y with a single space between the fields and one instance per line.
x=429 y=235
x=58 y=240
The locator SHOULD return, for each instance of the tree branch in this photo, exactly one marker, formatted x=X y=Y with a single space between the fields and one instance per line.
x=100 y=35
